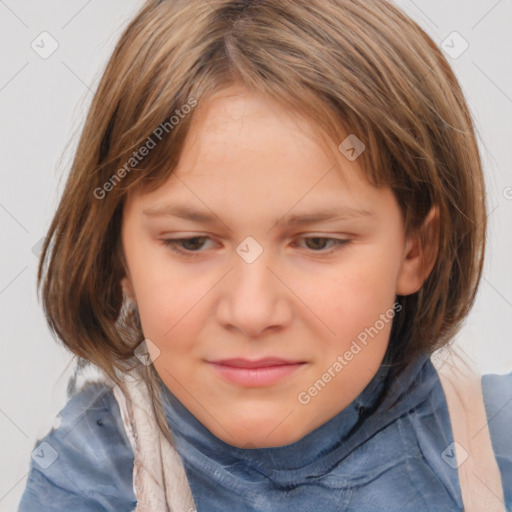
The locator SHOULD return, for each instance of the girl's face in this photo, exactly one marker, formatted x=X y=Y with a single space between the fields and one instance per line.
x=288 y=263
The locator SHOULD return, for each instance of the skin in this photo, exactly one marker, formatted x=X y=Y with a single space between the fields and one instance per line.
x=247 y=162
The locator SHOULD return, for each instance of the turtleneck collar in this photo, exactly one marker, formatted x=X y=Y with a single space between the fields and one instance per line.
x=331 y=440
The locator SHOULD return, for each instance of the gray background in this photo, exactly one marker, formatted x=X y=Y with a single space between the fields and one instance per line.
x=43 y=102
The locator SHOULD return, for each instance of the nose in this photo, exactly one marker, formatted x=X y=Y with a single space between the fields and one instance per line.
x=254 y=298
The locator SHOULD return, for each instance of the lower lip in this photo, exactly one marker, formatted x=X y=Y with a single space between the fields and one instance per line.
x=256 y=377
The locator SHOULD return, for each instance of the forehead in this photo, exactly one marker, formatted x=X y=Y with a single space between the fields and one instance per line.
x=238 y=121
x=246 y=150
x=239 y=133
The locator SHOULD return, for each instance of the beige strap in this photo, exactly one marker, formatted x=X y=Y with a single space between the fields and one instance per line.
x=479 y=475
x=159 y=478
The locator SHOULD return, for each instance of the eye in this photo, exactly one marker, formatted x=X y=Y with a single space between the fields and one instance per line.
x=337 y=244
x=175 y=244
x=190 y=247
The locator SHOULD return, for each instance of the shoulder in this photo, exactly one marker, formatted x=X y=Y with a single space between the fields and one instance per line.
x=87 y=462
x=497 y=392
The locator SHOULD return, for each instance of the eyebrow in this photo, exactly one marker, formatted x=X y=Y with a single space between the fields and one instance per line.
x=326 y=214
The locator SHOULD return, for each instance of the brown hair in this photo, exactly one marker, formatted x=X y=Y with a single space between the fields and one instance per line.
x=347 y=66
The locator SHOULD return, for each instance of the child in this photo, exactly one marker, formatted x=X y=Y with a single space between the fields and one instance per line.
x=274 y=218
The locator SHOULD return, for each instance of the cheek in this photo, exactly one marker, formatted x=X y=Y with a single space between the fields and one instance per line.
x=353 y=298
x=171 y=304
x=163 y=313
x=155 y=281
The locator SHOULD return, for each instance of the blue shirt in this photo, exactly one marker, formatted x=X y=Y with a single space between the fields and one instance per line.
x=384 y=452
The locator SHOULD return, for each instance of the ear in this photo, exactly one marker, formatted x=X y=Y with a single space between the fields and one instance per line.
x=128 y=288
x=420 y=254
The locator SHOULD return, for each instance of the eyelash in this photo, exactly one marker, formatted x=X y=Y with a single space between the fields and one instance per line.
x=172 y=243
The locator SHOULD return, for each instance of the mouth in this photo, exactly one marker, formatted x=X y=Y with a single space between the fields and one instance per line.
x=255 y=373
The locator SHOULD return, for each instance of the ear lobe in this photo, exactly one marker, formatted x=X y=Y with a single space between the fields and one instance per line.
x=420 y=255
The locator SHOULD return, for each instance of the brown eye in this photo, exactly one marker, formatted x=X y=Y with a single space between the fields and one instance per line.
x=185 y=246
x=318 y=244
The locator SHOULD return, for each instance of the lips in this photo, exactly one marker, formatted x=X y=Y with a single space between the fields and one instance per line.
x=255 y=373
x=258 y=363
